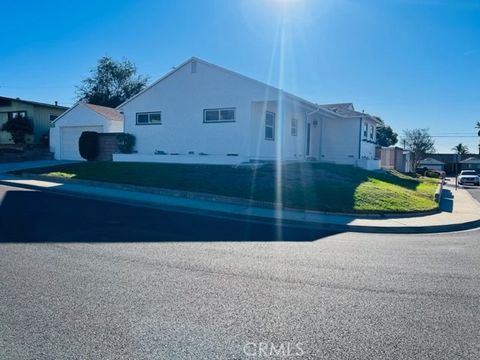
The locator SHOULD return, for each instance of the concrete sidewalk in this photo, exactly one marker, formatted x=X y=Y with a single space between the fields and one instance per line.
x=459 y=210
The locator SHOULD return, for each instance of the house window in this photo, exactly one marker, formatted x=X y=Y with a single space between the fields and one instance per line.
x=269 y=126
x=52 y=117
x=219 y=115
x=365 y=131
x=371 y=132
x=17 y=114
x=151 y=118
x=294 y=127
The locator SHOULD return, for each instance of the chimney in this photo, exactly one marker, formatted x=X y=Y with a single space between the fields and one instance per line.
x=56 y=103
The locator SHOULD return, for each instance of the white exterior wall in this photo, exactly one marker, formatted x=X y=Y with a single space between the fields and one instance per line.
x=340 y=140
x=368 y=148
x=181 y=97
x=80 y=116
x=295 y=146
x=290 y=147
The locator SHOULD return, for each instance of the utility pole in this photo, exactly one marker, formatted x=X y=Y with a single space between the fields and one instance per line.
x=457 y=156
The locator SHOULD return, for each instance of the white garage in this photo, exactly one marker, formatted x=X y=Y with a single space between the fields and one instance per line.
x=68 y=127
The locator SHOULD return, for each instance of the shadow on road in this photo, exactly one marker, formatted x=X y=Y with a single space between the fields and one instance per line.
x=37 y=216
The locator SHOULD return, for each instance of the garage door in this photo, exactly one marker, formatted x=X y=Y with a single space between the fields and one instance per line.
x=69 y=141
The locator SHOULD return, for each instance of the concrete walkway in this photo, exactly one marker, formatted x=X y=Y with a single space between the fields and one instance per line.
x=459 y=210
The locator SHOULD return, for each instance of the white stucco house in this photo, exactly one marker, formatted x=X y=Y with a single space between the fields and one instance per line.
x=81 y=117
x=202 y=113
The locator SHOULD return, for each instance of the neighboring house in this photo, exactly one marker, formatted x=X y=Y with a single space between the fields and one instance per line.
x=432 y=164
x=395 y=158
x=408 y=159
x=450 y=160
x=202 y=113
x=472 y=163
x=68 y=127
x=41 y=115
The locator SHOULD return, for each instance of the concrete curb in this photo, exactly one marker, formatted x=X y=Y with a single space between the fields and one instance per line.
x=227 y=199
x=262 y=219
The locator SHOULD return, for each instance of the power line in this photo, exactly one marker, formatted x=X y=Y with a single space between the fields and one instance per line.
x=455 y=136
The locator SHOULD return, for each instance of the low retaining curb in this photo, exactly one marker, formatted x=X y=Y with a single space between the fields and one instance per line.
x=226 y=199
x=261 y=218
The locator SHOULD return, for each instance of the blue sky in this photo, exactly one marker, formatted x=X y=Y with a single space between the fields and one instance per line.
x=415 y=63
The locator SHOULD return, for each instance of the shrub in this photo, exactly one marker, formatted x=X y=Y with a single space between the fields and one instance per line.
x=18 y=127
x=88 y=144
x=126 y=142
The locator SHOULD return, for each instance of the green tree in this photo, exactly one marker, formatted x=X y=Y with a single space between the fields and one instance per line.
x=111 y=83
x=386 y=136
x=460 y=149
x=18 y=128
x=419 y=142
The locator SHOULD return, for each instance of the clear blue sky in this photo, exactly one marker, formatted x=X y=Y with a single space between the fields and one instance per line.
x=415 y=63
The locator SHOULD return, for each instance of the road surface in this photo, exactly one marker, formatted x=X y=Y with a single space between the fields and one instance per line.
x=355 y=296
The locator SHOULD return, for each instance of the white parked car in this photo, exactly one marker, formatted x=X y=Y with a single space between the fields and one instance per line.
x=468 y=177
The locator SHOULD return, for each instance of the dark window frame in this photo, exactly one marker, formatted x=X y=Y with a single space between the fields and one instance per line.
x=270 y=126
x=148 y=113
x=294 y=127
x=205 y=121
x=10 y=114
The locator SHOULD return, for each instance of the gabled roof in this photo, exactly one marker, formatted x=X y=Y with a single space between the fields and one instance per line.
x=347 y=110
x=107 y=112
x=447 y=157
x=431 y=161
x=471 y=160
x=310 y=104
x=341 y=108
x=104 y=111
x=36 y=103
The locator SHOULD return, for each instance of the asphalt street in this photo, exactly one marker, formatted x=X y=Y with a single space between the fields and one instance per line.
x=343 y=296
x=28 y=215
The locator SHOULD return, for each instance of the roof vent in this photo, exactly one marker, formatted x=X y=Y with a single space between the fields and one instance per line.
x=194 y=67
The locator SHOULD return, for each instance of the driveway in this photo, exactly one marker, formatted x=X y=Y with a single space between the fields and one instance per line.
x=6 y=167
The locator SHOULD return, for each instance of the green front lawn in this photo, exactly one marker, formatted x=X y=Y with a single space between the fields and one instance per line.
x=315 y=186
